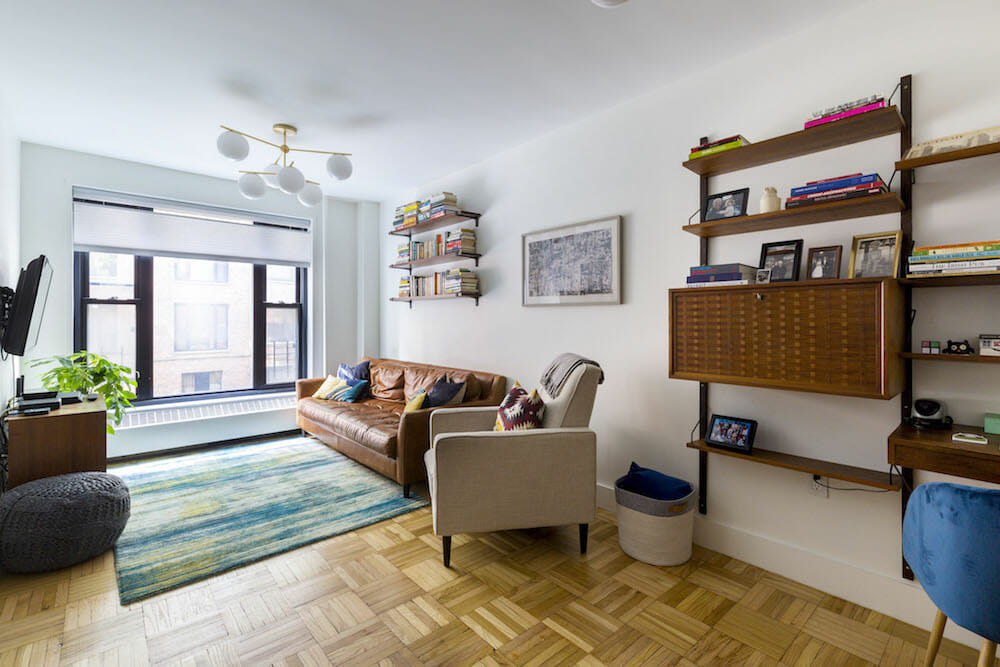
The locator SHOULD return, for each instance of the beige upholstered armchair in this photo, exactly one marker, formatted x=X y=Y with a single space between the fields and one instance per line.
x=483 y=480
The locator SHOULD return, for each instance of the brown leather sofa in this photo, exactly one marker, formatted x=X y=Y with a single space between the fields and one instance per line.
x=376 y=432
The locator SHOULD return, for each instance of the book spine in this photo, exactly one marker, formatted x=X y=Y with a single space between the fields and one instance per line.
x=717 y=142
x=958 y=256
x=716 y=149
x=720 y=268
x=835 y=178
x=937 y=251
x=954 y=272
x=845 y=114
x=823 y=193
x=724 y=283
x=834 y=185
x=720 y=277
x=829 y=198
x=954 y=266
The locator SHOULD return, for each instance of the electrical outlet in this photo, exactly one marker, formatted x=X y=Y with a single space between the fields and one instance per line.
x=817 y=487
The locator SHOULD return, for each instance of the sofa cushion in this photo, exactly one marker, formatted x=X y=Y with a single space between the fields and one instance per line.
x=387 y=382
x=445 y=393
x=473 y=387
x=420 y=378
x=520 y=411
x=374 y=424
x=354 y=374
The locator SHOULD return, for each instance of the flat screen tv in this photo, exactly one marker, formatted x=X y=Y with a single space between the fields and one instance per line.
x=25 y=319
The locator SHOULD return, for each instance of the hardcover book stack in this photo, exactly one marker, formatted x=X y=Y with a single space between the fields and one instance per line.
x=441 y=204
x=461 y=241
x=960 y=259
x=716 y=275
x=461 y=281
x=406 y=215
x=713 y=147
x=838 y=188
x=845 y=110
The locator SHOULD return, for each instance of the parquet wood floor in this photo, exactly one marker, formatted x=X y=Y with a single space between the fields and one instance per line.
x=380 y=596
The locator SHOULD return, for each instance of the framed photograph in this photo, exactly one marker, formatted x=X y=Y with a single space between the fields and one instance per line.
x=875 y=255
x=733 y=433
x=783 y=258
x=823 y=262
x=725 y=205
x=763 y=276
x=572 y=265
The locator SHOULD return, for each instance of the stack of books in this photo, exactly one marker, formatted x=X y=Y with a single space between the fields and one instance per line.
x=461 y=281
x=461 y=242
x=441 y=204
x=959 y=259
x=837 y=188
x=715 y=275
x=713 y=147
x=406 y=215
x=845 y=110
x=404 y=287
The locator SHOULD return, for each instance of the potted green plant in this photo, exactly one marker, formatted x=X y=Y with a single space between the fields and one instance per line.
x=87 y=373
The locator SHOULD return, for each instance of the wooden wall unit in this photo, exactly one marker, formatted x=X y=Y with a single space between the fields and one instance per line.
x=70 y=439
x=828 y=336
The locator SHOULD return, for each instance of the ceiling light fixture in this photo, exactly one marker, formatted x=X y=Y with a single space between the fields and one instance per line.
x=280 y=174
x=609 y=4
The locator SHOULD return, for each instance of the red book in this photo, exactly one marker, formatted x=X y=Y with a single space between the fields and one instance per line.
x=852 y=188
x=835 y=178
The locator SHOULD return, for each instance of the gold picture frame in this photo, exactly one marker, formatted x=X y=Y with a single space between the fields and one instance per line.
x=869 y=258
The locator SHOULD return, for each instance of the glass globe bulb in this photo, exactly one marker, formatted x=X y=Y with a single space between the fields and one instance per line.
x=310 y=195
x=290 y=180
x=252 y=186
x=270 y=175
x=340 y=167
x=233 y=146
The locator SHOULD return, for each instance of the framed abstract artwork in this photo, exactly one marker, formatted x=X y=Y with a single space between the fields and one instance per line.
x=572 y=265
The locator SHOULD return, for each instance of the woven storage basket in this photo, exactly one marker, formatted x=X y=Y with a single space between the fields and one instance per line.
x=658 y=532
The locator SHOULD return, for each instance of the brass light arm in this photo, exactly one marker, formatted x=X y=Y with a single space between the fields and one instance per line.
x=250 y=136
x=307 y=150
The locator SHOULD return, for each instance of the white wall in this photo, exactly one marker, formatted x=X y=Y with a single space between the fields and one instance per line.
x=627 y=162
x=10 y=148
x=47 y=179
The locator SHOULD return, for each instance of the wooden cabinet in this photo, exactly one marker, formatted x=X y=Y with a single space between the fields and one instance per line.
x=829 y=336
x=70 y=439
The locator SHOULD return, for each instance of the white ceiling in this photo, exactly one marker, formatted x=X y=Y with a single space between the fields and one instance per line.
x=415 y=89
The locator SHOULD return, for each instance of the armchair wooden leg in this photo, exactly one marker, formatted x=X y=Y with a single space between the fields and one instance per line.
x=988 y=656
x=446 y=550
x=583 y=537
x=406 y=490
x=935 y=641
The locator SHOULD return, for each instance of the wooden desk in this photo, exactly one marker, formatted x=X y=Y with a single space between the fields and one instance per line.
x=70 y=439
x=934 y=450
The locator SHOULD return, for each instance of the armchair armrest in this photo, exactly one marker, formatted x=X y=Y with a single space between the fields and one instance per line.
x=415 y=438
x=462 y=420
x=307 y=387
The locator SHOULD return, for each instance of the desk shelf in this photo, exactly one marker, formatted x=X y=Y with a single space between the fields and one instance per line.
x=934 y=450
x=961 y=358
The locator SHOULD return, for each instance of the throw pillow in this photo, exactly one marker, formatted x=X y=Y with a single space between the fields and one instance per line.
x=520 y=411
x=653 y=484
x=325 y=388
x=357 y=373
x=445 y=393
x=416 y=402
x=349 y=393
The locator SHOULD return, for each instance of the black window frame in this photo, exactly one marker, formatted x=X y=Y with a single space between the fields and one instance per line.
x=143 y=302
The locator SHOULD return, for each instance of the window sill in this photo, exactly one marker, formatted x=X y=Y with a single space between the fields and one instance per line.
x=213 y=408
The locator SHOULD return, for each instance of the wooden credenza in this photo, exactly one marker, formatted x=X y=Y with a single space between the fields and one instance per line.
x=70 y=439
x=829 y=336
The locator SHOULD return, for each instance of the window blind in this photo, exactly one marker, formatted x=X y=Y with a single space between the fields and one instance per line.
x=112 y=222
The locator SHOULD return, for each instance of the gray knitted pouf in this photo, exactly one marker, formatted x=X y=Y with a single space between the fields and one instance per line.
x=60 y=521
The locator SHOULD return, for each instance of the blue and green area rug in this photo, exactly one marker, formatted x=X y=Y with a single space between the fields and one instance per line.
x=200 y=514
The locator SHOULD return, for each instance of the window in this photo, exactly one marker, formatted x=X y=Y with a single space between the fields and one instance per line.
x=191 y=326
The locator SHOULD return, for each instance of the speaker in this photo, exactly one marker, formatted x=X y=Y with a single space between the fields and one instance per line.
x=929 y=413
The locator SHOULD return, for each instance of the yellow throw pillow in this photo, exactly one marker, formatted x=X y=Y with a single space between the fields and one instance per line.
x=328 y=386
x=416 y=402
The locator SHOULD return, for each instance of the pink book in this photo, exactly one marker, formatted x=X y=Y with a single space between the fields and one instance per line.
x=845 y=114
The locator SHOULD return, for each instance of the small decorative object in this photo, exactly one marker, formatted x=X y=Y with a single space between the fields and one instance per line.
x=971 y=438
x=935 y=347
x=763 y=276
x=875 y=255
x=733 y=433
x=89 y=373
x=958 y=347
x=770 y=201
x=991 y=423
x=823 y=262
x=731 y=204
x=989 y=345
x=783 y=259
x=572 y=265
x=925 y=347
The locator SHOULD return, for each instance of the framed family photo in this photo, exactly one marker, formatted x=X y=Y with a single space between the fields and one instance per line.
x=574 y=264
x=783 y=259
x=823 y=262
x=733 y=433
x=875 y=255
x=730 y=204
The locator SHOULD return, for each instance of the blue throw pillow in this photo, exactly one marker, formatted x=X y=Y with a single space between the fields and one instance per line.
x=445 y=393
x=349 y=393
x=653 y=484
x=356 y=373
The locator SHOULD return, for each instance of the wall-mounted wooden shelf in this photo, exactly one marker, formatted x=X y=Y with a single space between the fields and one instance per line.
x=437 y=223
x=861 y=476
x=950 y=156
x=430 y=297
x=858 y=207
x=439 y=259
x=970 y=280
x=934 y=450
x=843 y=132
x=967 y=358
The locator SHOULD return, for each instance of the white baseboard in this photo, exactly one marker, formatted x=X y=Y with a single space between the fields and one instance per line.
x=886 y=594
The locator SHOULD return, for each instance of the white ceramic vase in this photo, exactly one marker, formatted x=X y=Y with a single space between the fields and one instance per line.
x=770 y=201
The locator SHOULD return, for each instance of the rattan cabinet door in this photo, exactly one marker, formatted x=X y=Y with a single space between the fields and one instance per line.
x=825 y=337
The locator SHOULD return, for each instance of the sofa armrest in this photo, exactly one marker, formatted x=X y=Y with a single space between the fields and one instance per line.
x=462 y=420
x=501 y=480
x=307 y=387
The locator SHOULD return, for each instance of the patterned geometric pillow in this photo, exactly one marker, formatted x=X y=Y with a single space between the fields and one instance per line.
x=328 y=385
x=349 y=393
x=520 y=411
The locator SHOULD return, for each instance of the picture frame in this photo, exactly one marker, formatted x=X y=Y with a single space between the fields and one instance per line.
x=875 y=255
x=783 y=258
x=732 y=204
x=575 y=264
x=733 y=433
x=763 y=276
x=824 y=262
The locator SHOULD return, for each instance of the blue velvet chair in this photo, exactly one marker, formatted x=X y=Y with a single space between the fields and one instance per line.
x=951 y=539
